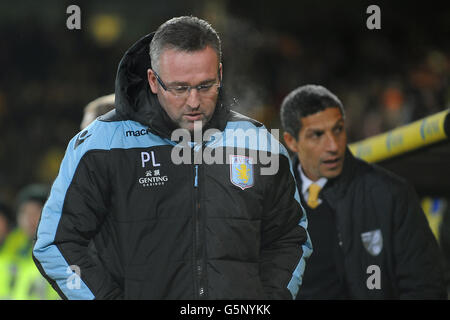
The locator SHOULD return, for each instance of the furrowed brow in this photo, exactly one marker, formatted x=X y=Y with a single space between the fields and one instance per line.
x=185 y=84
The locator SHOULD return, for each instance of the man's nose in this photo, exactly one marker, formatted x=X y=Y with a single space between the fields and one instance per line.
x=193 y=99
x=331 y=143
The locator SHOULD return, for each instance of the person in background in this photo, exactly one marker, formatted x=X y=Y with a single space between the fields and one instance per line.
x=5 y=222
x=370 y=236
x=96 y=108
x=19 y=277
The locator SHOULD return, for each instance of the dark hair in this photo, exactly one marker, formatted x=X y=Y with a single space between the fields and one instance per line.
x=186 y=33
x=305 y=101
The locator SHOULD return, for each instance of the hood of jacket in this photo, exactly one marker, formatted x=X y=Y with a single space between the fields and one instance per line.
x=135 y=101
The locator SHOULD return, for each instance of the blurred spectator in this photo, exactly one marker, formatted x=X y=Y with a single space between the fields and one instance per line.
x=19 y=277
x=97 y=108
x=5 y=222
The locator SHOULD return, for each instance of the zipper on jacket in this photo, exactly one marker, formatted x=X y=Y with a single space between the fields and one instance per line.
x=196 y=176
x=199 y=285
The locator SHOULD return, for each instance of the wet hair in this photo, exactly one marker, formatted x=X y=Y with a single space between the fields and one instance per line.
x=305 y=101
x=186 y=33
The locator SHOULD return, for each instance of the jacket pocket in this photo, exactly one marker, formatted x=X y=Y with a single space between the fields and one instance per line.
x=155 y=281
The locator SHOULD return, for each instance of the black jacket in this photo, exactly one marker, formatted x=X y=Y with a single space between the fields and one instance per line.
x=380 y=223
x=168 y=231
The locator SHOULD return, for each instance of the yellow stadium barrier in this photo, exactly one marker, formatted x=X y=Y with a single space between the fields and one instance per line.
x=403 y=139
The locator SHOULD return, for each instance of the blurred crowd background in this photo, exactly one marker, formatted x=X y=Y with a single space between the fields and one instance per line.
x=385 y=78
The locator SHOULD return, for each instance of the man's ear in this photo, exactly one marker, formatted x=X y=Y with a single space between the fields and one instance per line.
x=152 y=81
x=291 y=142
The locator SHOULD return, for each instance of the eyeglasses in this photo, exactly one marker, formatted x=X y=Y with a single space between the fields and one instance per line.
x=182 y=92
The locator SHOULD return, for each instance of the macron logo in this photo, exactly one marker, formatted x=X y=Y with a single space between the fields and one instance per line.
x=137 y=133
x=81 y=138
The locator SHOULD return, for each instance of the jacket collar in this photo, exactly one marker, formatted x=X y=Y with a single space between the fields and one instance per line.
x=298 y=179
x=135 y=101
